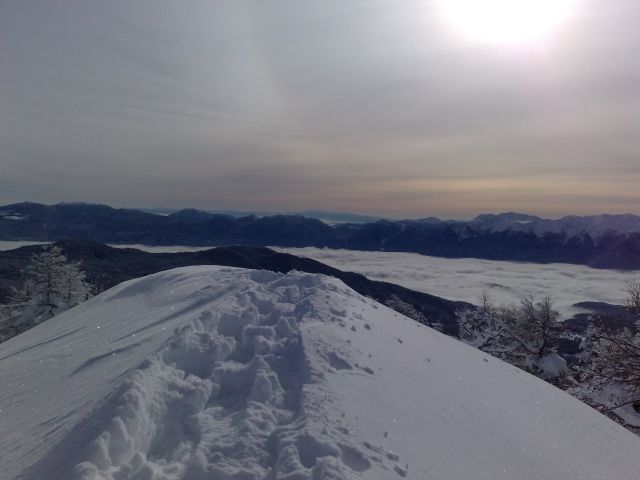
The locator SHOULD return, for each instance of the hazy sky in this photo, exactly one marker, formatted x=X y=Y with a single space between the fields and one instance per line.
x=379 y=107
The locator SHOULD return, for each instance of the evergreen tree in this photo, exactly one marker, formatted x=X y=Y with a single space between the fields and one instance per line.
x=52 y=284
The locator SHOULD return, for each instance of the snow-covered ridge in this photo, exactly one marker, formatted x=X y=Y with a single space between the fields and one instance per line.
x=210 y=372
x=571 y=225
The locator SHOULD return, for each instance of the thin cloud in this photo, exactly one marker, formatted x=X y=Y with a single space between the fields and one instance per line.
x=372 y=107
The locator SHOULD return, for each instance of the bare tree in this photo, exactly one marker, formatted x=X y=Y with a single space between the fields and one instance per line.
x=535 y=326
x=633 y=297
x=608 y=375
x=526 y=335
x=612 y=358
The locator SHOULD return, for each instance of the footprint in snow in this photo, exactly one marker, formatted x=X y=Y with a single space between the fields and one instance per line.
x=400 y=470
x=366 y=369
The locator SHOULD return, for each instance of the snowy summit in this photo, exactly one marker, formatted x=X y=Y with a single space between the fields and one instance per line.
x=218 y=373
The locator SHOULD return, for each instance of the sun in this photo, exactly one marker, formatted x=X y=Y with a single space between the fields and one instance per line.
x=507 y=22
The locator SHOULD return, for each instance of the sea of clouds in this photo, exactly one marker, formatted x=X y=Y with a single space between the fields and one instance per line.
x=466 y=279
x=463 y=279
x=10 y=245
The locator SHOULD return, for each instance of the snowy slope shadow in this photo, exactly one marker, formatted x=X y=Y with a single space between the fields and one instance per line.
x=224 y=399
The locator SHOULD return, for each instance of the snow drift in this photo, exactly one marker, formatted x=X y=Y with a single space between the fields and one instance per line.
x=218 y=373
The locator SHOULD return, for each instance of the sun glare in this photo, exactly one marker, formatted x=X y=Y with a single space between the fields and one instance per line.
x=507 y=22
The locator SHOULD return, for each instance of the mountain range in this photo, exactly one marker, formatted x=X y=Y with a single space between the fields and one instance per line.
x=330 y=218
x=601 y=241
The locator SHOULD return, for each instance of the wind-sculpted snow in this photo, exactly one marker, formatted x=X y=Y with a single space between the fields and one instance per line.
x=217 y=373
x=224 y=398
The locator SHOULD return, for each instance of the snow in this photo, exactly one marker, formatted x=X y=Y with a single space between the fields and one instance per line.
x=571 y=225
x=551 y=365
x=8 y=215
x=212 y=372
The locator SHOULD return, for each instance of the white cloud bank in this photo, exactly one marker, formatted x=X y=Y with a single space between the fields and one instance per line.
x=465 y=279
x=461 y=279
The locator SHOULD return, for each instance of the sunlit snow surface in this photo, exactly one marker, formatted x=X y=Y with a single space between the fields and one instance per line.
x=211 y=372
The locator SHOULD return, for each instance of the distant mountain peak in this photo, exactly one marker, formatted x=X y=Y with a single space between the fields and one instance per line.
x=190 y=214
x=512 y=216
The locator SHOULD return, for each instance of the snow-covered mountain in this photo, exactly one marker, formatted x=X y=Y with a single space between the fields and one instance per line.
x=571 y=225
x=214 y=372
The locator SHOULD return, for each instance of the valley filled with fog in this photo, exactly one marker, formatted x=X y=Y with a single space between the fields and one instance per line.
x=465 y=279
x=10 y=245
x=460 y=279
